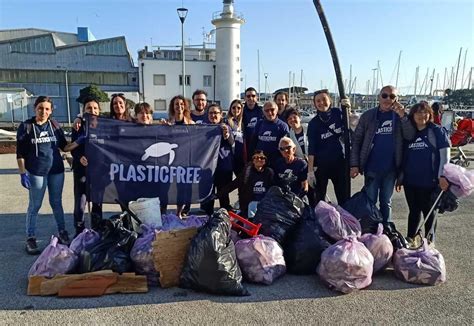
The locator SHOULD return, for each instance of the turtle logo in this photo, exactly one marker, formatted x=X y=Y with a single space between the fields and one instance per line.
x=160 y=149
x=267 y=133
x=387 y=123
x=252 y=122
x=332 y=126
x=43 y=134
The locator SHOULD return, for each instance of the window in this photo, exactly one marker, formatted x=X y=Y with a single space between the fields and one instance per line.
x=237 y=59
x=188 y=80
x=159 y=79
x=237 y=46
x=207 y=81
x=160 y=105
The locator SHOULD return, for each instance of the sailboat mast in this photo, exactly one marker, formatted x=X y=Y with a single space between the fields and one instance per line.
x=416 y=79
x=457 y=69
x=258 y=72
x=398 y=68
x=463 y=69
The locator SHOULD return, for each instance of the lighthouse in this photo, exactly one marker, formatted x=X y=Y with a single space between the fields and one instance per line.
x=227 y=25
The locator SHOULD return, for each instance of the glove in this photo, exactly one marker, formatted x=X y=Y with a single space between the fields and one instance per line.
x=345 y=102
x=81 y=139
x=311 y=179
x=25 y=180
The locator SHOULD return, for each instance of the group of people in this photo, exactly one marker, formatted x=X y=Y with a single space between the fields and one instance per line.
x=261 y=146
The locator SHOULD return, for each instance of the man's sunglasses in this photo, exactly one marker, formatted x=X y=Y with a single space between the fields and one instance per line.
x=385 y=95
x=261 y=158
x=250 y=95
x=286 y=148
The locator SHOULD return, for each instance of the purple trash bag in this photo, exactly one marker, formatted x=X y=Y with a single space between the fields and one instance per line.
x=346 y=265
x=420 y=266
x=234 y=235
x=55 y=259
x=173 y=222
x=379 y=246
x=142 y=254
x=336 y=222
x=462 y=180
x=260 y=259
x=86 y=238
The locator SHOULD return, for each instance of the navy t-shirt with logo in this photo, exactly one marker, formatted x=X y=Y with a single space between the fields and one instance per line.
x=382 y=156
x=324 y=133
x=249 y=121
x=298 y=168
x=419 y=168
x=39 y=146
x=300 y=139
x=200 y=119
x=268 y=135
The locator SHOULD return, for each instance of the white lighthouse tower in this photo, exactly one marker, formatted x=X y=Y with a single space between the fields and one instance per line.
x=227 y=54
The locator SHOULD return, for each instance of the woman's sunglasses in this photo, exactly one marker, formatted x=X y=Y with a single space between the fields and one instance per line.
x=385 y=95
x=286 y=148
x=261 y=158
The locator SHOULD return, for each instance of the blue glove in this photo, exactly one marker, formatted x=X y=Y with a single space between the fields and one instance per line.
x=25 y=180
x=81 y=139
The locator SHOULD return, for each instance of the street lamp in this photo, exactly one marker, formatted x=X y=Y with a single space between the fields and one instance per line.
x=67 y=94
x=182 y=13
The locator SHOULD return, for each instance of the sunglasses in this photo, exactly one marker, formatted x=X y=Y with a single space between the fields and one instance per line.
x=260 y=158
x=250 y=95
x=214 y=112
x=385 y=95
x=270 y=110
x=118 y=94
x=286 y=148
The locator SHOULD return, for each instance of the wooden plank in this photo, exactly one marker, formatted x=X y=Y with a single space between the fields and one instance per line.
x=169 y=252
x=92 y=286
x=129 y=283
x=34 y=285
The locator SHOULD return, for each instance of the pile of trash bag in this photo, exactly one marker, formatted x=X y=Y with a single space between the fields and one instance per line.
x=278 y=212
x=112 y=251
x=424 y=265
x=173 y=222
x=260 y=259
x=360 y=206
x=461 y=180
x=379 y=246
x=211 y=264
x=304 y=245
x=336 y=222
x=55 y=259
x=346 y=265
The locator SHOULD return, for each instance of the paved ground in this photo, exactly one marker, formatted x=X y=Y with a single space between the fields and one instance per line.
x=291 y=300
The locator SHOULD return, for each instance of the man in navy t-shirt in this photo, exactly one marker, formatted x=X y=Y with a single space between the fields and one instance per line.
x=268 y=133
x=289 y=167
x=199 y=114
x=251 y=115
x=377 y=148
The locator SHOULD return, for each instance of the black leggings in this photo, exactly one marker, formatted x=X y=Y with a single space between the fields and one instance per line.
x=80 y=200
x=335 y=173
x=221 y=179
x=419 y=201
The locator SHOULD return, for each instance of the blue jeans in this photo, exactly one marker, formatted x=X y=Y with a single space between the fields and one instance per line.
x=55 y=183
x=380 y=186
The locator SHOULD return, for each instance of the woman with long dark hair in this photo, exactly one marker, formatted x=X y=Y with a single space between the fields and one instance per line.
x=424 y=159
x=234 y=119
x=41 y=166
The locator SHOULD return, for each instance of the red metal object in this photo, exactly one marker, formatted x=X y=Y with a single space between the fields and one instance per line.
x=245 y=225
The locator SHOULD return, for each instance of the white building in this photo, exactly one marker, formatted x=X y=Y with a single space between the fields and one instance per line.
x=213 y=69
x=160 y=74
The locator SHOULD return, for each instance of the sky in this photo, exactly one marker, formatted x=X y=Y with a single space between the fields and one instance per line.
x=288 y=36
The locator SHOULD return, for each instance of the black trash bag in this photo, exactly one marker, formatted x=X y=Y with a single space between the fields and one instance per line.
x=112 y=251
x=447 y=203
x=396 y=238
x=304 y=245
x=278 y=212
x=211 y=264
x=360 y=206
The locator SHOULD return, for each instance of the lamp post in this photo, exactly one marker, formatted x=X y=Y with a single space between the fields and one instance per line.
x=66 y=84
x=182 y=13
